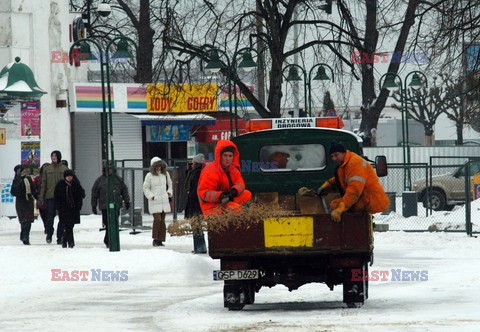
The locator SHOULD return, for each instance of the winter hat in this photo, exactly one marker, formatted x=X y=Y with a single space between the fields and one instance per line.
x=228 y=149
x=68 y=172
x=154 y=160
x=199 y=158
x=337 y=147
x=58 y=154
x=18 y=167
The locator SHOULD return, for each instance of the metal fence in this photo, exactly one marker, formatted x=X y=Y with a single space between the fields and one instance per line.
x=437 y=201
x=133 y=174
x=440 y=199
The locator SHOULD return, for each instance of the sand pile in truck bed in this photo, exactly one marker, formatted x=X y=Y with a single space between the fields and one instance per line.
x=252 y=214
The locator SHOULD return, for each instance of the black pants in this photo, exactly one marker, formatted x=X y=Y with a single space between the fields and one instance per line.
x=25 y=231
x=105 y=223
x=68 y=235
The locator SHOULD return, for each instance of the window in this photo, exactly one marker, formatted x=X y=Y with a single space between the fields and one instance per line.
x=304 y=157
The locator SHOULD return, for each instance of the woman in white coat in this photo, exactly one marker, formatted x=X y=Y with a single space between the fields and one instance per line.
x=157 y=188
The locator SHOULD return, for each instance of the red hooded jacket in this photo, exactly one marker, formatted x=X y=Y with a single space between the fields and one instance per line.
x=214 y=180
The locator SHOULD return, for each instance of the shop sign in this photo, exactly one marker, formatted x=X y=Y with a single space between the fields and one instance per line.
x=182 y=98
x=168 y=133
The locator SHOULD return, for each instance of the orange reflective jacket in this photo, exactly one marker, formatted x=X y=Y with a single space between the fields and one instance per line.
x=363 y=191
x=213 y=180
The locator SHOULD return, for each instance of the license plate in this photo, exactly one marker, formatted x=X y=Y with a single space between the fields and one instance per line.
x=235 y=274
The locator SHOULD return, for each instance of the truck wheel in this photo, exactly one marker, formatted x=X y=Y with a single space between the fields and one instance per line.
x=233 y=296
x=437 y=200
x=249 y=289
x=355 y=292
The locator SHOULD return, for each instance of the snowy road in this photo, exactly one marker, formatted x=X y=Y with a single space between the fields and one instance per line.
x=170 y=289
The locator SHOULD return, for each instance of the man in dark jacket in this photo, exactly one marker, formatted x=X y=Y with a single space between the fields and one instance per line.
x=53 y=173
x=24 y=189
x=69 y=196
x=99 y=194
x=193 y=208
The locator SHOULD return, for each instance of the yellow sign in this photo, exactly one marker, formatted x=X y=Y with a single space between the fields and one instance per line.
x=288 y=232
x=182 y=98
x=3 y=136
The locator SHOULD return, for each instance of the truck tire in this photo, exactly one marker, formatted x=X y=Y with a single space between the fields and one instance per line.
x=249 y=293
x=355 y=292
x=234 y=297
x=437 y=199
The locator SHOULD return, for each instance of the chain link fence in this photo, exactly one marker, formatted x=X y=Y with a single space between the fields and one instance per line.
x=438 y=196
x=437 y=200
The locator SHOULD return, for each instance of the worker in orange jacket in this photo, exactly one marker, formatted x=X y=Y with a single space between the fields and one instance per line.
x=221 y=184
x=357 y=182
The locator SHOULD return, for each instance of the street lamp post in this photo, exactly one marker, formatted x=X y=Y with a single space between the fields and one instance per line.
x=247 y=64
x=107 y=126
x=390 y=83
x=320 y=76
x=214 y=66
x=293 y=76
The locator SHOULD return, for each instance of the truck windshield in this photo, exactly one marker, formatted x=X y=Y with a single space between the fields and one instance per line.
x=292 y=157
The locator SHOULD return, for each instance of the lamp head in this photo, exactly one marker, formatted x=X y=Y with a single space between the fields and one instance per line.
x=122 y=51
x=247 y=62
x=293 y=75
x=321 y=74
x=389 y=82
x=416 y=81
x=215 y=64
x=85 y=49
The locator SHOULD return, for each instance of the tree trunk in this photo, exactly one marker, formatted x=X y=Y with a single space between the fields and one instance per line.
x=459 y=127
x=429 y=137
x=275 y=93
x=145 y=45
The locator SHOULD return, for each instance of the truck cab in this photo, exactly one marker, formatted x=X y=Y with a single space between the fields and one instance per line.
x=303 y=248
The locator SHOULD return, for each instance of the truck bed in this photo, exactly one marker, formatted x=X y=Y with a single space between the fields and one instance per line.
x=295 y=235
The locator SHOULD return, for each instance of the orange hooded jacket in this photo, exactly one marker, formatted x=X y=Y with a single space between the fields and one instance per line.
x=362 y=189
x=213 y=181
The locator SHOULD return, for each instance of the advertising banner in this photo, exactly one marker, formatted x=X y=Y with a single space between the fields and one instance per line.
x=30 y=118
x=31 y=156
x=182 y=98
x=168 y=133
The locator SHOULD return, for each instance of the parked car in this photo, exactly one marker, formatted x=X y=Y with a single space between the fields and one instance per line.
x=446 y=190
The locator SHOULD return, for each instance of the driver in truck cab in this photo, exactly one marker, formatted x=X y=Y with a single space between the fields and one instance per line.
x=357 y=182
x=221 y=184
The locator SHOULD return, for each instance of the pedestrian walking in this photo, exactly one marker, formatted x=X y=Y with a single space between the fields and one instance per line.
x=157 y=188
x=99 y=196
x=193 y=209
x=53 y=173
x=25 y=192
x=69 y=195
x=42 y=209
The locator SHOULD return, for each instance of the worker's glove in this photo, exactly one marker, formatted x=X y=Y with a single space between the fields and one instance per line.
x=127 y=205
x=232 y=193
x=326 y=186
x=224 y=197
x=304 y=191
x=336 y=214
x=94 y=209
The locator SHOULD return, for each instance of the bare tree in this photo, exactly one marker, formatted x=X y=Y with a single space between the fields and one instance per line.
x=424 y=106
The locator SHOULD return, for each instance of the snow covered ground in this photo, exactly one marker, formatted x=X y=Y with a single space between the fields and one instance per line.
x=171 y=289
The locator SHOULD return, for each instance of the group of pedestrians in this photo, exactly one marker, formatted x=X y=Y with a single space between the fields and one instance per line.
x=56 y=188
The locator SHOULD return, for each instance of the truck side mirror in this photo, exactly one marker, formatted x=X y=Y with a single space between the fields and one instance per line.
x=381 y=166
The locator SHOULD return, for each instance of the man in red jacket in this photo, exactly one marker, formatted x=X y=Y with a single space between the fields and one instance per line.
x=221 y=184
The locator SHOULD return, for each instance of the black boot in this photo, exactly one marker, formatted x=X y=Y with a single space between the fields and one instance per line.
x=155 y=243
x=26 y=242
x=49 y=239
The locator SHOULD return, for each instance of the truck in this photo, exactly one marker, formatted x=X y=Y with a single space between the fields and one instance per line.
x=303 y=247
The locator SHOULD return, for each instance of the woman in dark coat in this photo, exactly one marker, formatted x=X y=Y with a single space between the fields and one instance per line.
x=192 y=208
x=25 y=191
x=69 y=196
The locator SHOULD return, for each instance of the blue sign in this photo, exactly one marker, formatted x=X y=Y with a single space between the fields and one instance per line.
x=169 y=133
